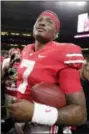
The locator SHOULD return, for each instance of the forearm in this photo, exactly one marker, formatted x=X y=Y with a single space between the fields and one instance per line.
x=71 y=115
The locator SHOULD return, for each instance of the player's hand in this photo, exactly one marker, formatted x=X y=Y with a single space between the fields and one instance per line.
x=21 y=110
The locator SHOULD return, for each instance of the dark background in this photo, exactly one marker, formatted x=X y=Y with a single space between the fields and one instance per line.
x=20 y=16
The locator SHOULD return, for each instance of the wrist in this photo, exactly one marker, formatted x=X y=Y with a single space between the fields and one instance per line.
x=43 y=114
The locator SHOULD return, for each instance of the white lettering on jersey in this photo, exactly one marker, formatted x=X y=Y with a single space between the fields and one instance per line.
x=29 y=64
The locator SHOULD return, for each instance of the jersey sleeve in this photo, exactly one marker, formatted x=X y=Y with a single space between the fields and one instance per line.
x=69 y=76
x=69 y=80
x=73 y=57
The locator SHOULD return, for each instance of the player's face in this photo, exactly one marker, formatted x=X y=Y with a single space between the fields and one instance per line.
x=44 y=28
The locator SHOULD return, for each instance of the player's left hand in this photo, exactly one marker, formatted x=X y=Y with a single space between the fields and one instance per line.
x=21 y=110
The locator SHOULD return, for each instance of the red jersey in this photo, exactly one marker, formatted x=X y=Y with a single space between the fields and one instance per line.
x=56 y=63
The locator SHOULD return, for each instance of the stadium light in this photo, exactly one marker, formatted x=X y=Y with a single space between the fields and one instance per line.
x=82 y=3
x=4 y=33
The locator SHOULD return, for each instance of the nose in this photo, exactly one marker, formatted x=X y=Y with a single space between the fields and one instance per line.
x=42 y=23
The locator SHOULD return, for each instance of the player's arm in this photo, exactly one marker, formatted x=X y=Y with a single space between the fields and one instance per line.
x=73 y=114
x=75 y=111
x=69 y=78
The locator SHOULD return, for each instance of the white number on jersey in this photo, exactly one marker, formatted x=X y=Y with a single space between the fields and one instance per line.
x=29 y=64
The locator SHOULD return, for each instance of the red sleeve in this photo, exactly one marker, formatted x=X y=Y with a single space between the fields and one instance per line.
x=73 y=57
x=69 y=80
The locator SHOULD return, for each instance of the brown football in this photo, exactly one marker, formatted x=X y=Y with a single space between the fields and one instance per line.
x=48 y=94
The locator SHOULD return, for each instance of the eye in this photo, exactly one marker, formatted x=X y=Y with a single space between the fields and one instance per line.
x=50 y=21
x=39 y=20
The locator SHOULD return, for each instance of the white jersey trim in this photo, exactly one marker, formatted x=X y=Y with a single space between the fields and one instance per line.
x=74 y=54
x=74 y=61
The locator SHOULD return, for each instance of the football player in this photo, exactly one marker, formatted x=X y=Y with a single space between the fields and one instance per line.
x=9 y=74
x=51 y=62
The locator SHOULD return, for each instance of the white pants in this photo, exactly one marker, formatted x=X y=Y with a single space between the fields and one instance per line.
x=30 y=128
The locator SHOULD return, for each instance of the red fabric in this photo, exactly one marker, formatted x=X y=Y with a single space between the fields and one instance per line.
x=53 y=16
x=73 y=55
x=2 y=58
x=73 y=128
x=53 y=129
x=11 y=92
x=47 y=66
x=69 y=80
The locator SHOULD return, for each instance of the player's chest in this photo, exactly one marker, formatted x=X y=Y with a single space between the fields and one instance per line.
x=36 y=65
x=39 y=58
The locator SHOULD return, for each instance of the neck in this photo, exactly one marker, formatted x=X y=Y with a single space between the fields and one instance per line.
x=39 y=45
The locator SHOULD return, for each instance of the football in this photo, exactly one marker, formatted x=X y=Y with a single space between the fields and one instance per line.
x=48 y=94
